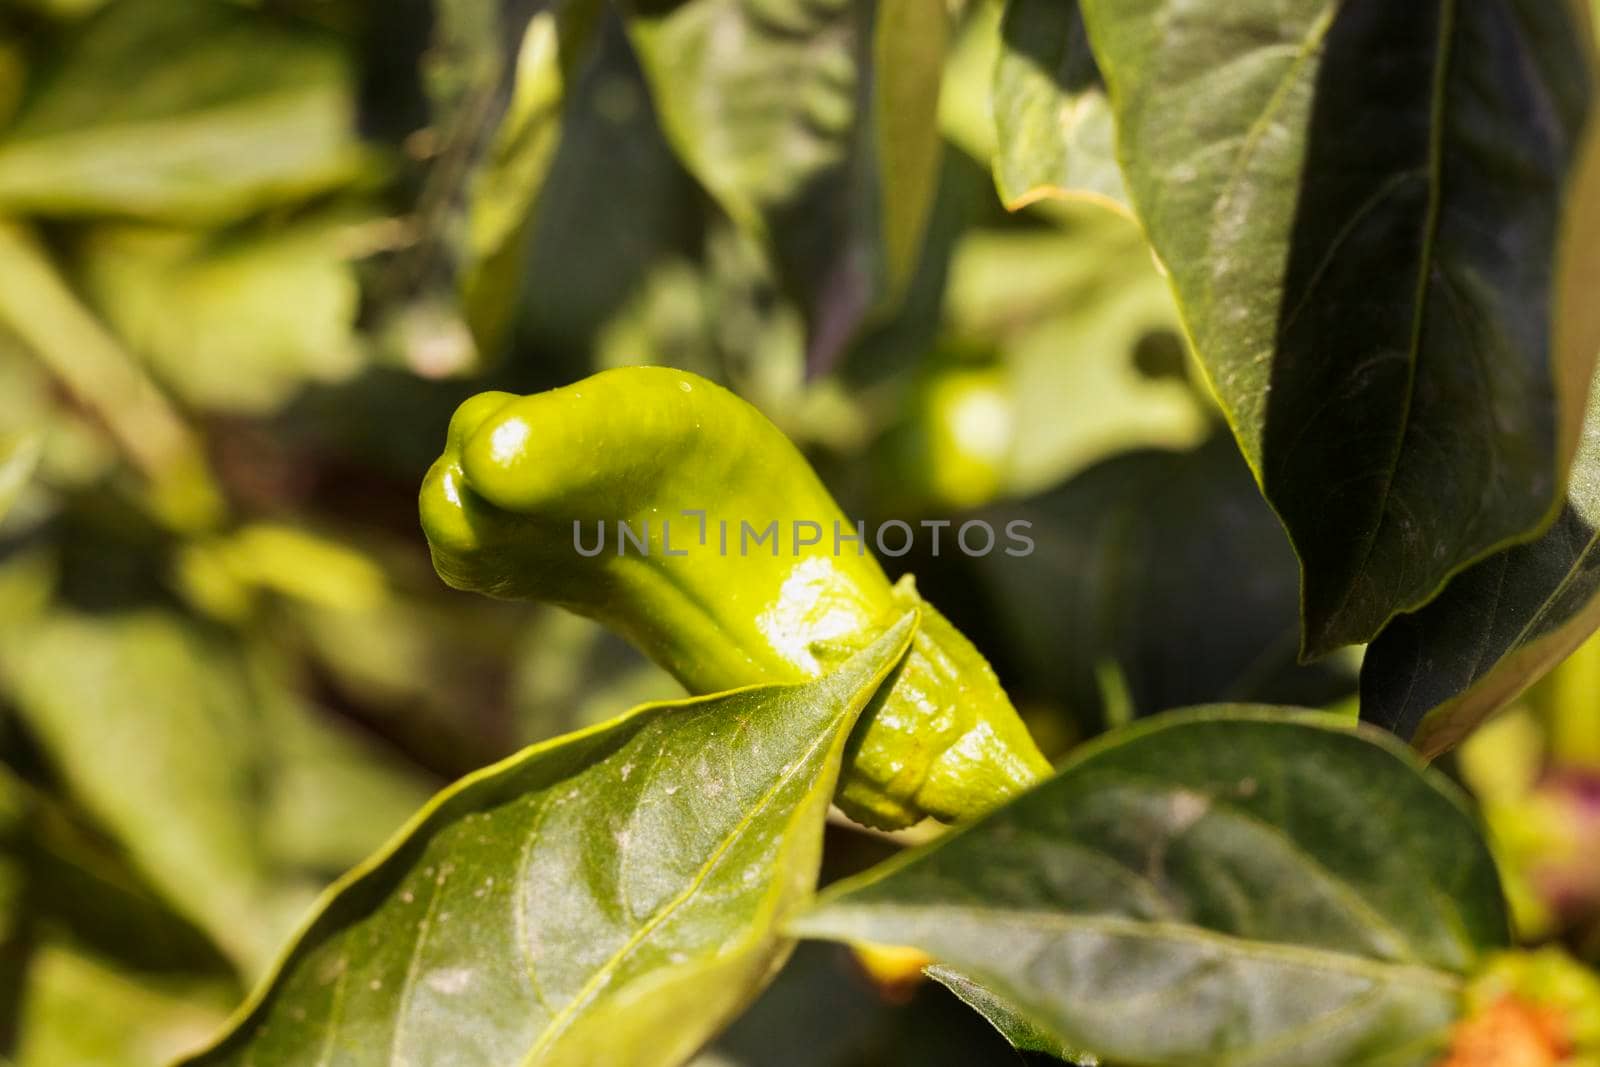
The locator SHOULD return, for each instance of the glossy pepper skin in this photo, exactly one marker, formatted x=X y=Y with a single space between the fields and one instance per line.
x=645 y=445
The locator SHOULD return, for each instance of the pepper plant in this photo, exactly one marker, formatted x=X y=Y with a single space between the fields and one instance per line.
x=1221 y=369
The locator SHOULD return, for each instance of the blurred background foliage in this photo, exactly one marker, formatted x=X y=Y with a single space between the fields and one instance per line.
x=253 y=254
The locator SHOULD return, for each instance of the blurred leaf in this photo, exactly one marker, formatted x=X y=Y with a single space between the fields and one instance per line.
x=18 y=457
x=667 y=323
x=181 y=110
x=1434 y=676
x=1052 y=118
x=13 y=71
x=82 y=1011
x=429 y=674
x=63 y=8
x=234 y=321
x=78 y=889
x=570 y=672
x=909 y=41
x=223 y=573
x=1376 y=225
x=814 y=126
x=149 y=725
x=643 y=886
x=614 y=203
x=1567 y=701
x=1166 y=569
x=1502 y=764
x=73 y=452
x=28 y=578
x=37 y=305
x=331 y=795
x=1074 y=316
x=506 y=186
x=1226 y=885
x=966 y=112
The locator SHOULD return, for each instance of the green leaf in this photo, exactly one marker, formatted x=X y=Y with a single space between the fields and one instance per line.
x=1052 y=118
x=1223 y=886
x=148 y=724
x=18 y=457
x=506 y=186
x=612 y=896
x=237 y=321
x=1436 y=675
x=813 y=126
x=1361 y=206
x=181 y=110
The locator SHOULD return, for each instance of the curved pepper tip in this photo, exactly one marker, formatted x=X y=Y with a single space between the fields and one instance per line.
x=455 y=518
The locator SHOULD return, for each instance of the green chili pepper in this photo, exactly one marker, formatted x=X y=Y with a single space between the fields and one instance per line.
x=725 y=560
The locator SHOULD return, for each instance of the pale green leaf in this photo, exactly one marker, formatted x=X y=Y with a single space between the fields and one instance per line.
x=1067 y=312
x=181 y=110
x=238 y=321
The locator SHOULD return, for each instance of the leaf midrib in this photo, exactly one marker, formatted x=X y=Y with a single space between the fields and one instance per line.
x=563 y=1019
x=1305 y=956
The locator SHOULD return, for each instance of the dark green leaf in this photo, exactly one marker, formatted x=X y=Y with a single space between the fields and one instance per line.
x=1052 y=119
x=182 y=110
x=813 y=125
x=1224 y=886
x=1434 y=676
x=1361 y=205
x=610 y=897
